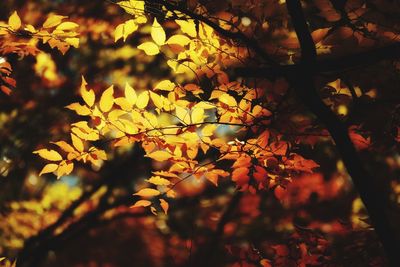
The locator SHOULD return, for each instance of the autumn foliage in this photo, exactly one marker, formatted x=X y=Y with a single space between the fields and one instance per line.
x=199 y=133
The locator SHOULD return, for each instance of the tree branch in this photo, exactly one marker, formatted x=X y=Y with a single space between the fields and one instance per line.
x=338 y=64
x=373 y=196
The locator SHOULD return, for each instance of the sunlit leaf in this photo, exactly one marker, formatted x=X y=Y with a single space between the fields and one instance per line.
x=147 y=192
x=164 y=205
x=149 y=48
x=142 y=100
x=53 y=20
x=160 y=155
x=51 y=155
x=107 y=99
x=66 y=26
x=48 y=168
x=14 y=21
x=141 y=203
x=158 y=33
x=178 y=39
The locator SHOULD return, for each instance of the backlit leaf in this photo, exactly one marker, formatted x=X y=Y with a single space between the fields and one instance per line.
x=66 y=26
x=48 y=168
x=178 y=39
x=141 y=203
x=157 y=33
x=165 y=85
x=107 y=99
x=160 y=155
x=147 y=192
x=53 y=20
x=87 y=95
x=14 y=21
x=51 y=155
x=164 y=205
x=130 y=94
x=79 y=109
x=149 y=48
x=142 y=100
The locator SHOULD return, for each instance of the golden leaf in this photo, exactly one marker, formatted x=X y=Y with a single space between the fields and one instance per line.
x=164 y=205
x=141 y=203
x=165 y=85
x=77 y=142
x=48 y=168
x=178 y=39
x=53 y=21
x=147 y=192
x=14 y=21
x=142 y=100
x=158 y=33
x=51 y=155
x=188 y=27
x=107 y=99
x=130 y=94
x=119 y=32
x=79 y=109
x=73 y=41
x=129 y=27
x=160 y=155
x=64 y=146
x=157 y=180
x=157 y=100
x=149 y=48
x=64 y=169
x=87 y=95
x=66 y=26
x=197 y=115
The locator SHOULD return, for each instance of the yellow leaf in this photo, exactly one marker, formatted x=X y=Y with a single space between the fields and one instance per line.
x=178 y=39
x=164 y=205
x=129 y=27
x=188 y=27
x=159 y=155
x=228 y=100
x=87 y=95
x=77 y=142
x=79 y=109
x=48 y=168
x=14 y=21
x=51 y=155
x=30 y=28
x=149 y=48
x=107 y=99
x=66 y=26
x=141 y=203
x=119 y=32
x=165 y=85
x=157 y=180
x=147 y=192
x=182 y=114
x=130 y=94
x=158 y=33
x=197 y=115
x=64 y=146
x=157 y=100
x=64 y=169
x=142 y=100
x=73 y=41
x=123 y=103
x=53 y=21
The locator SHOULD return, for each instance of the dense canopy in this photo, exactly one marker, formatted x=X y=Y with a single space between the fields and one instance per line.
x=199 y=133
